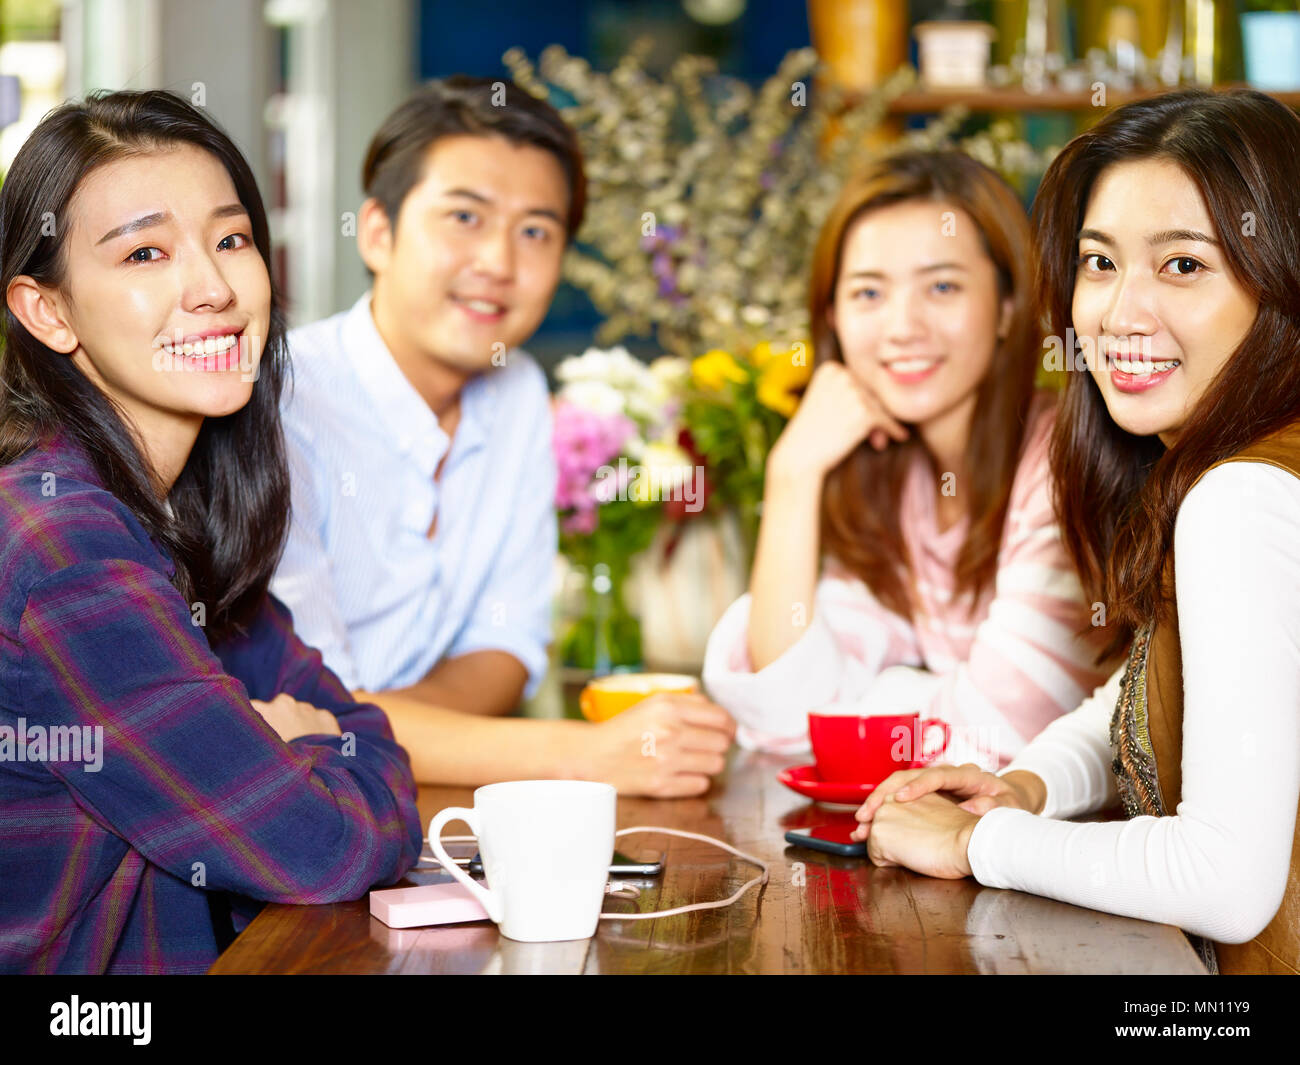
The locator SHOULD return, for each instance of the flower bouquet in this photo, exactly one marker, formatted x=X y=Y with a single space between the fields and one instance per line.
x=735 y=410
x=621 y=473
x=704 y=198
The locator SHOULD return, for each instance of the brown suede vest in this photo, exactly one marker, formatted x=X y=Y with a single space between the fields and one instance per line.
x=1147 y=740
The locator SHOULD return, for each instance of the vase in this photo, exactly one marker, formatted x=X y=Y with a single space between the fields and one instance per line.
x=861 y=42
x=679 y=595
x=603 y=636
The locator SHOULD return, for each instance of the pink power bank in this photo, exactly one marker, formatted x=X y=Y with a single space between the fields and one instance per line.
x=412 y=907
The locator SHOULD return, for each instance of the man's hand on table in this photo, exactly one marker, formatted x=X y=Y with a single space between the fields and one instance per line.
x=923 y=818
x=664 y=747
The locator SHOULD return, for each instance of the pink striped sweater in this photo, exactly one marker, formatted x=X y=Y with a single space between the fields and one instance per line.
x=998 y=675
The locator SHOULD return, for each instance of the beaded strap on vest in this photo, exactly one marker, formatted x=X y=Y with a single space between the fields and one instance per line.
x=1134 y=761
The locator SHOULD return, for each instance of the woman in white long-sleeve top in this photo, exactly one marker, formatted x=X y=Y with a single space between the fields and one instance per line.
x=1168 y=238
x=917 y=462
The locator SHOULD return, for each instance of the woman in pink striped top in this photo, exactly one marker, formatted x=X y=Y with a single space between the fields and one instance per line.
x=917 y=463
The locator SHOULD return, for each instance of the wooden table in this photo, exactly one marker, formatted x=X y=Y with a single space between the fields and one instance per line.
x=817 y=914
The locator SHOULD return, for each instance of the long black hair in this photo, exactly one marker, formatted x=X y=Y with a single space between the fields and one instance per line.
x=1117 y=495
x=230 y=504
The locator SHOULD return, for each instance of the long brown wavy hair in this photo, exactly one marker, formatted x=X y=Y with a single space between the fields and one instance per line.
x=1118 y=495
x=860 y=504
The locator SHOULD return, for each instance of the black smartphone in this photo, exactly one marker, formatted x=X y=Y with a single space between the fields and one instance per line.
x=834 y=839
x=620 y=865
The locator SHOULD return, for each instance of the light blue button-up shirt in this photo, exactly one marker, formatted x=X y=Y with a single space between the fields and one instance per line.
x=381 y=600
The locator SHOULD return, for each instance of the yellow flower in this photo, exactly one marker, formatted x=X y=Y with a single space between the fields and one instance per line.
x=782 y=375
x=712 y=370
x=761 y=354
x=776 y=398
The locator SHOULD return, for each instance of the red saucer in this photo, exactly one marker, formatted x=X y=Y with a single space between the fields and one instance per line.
x=804 y=780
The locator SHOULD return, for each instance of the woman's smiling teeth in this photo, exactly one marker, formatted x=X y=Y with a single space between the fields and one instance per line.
x=1140 y=366
x=206 y=346
x=912 y=365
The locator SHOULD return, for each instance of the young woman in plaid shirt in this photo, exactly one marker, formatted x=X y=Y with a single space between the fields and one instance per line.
x=143 y=505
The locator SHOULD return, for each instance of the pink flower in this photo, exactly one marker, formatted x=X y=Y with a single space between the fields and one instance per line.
x=584 y=440
x=580 y=522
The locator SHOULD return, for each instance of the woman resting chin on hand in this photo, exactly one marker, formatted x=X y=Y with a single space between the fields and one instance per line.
x=909 y=558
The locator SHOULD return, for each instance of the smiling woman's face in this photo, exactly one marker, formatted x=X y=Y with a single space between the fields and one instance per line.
x=1153 y=294
x=917 y=309
x=166 y=298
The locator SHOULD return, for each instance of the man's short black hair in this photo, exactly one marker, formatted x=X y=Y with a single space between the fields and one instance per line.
x=461 y=104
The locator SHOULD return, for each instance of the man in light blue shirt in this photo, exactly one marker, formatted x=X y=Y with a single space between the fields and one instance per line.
x=369 y=529
x=423 y=537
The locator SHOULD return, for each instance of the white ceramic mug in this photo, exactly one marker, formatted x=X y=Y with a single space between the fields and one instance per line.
x=546 y=847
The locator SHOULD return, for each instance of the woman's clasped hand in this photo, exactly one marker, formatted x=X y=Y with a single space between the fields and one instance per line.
x=924 y=818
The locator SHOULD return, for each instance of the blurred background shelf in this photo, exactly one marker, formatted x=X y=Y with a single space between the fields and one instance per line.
x=301 y=85
x=1052 y=100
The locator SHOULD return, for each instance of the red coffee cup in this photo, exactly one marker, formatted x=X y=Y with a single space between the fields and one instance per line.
x=853 y=748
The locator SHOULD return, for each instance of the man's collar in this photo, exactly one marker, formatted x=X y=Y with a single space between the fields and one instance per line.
x=403 y=413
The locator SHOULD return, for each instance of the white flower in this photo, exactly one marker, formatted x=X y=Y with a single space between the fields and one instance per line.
x=589 y=378
x=595 y=396
x=669 y=463
x=671 y=371
x=616 y=367
x=646 y=405
x=634 y=447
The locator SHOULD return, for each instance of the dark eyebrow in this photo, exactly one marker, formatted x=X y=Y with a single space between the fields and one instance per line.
x=469 y=194
x=1165 y=236
x=546 y=212
x=147 y=221
x=478 y=197
x=921 y=270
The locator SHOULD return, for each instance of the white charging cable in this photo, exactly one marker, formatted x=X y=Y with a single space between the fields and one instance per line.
x=761 y=880
x=631 y=892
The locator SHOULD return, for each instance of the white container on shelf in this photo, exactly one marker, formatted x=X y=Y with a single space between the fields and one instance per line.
x=1271 y=40
x=954 y=55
